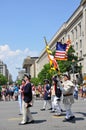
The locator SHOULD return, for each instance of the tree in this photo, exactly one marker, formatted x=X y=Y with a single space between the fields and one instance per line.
x=3 y=80
x=35 y=81
x=46 y=73
x=19 y=82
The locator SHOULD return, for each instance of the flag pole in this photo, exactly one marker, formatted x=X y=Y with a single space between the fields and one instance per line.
x=51 y=57
x=45 y=40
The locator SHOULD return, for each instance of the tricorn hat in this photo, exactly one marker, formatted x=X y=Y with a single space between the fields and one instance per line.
x=27 y=75
x=55 y=80
x=46 y=81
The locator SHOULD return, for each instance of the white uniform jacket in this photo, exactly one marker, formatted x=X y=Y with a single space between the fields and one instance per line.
x=68 y=89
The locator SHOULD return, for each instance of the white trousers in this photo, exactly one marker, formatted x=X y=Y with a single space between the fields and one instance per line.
x=20 y=103
x=52 y=100
x=56 y=105
x=45 y=103
x=68 y=110
x=26 y=113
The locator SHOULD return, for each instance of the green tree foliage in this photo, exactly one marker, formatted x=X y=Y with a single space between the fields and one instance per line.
x=35 y=81
x=46 y=73
x=19 y=82
x=3 y=80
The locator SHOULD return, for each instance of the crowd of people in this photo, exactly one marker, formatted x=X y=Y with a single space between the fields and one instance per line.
x=61 y=89
x=9 y=92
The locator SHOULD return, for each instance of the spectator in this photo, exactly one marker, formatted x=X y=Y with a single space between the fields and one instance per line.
x=76 y=91
x=4 y=92
x=15 y=89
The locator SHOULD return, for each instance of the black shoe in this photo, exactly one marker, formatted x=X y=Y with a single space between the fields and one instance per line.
x=69 y=119
x=42 y=109
x=31 y=122
x=20 y=113
x=52 y=111
x=72 y=117
x=62 y=110
x=65 y=120
x=23 y=123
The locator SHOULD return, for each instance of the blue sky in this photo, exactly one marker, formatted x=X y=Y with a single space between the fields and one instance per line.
x=24 y=23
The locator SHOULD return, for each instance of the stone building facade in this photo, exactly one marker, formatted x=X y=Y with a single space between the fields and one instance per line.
x=4 y=71
x=75 y=29
x=29 y=65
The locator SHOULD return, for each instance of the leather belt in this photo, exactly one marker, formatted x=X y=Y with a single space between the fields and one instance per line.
x=68 y=94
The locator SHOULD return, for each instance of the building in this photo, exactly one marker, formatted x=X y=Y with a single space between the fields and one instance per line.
x=4 y=71
x=75 y=29
x=21 y=74
x=29 y=65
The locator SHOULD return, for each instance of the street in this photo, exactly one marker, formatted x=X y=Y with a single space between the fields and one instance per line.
x=44 y=120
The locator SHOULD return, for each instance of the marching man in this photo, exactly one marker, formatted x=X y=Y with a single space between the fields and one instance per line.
x=68 y=99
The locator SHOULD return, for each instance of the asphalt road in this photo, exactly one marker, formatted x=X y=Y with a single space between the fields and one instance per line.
x=44 y=120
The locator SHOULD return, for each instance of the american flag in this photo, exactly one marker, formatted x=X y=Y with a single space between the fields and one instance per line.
x=61 y=51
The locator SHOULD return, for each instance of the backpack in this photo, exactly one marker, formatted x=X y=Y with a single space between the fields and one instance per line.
x=58 y=92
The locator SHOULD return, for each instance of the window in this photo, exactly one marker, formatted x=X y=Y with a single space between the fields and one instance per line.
x=77 y=54
x=79 y=29
x=1 y=70
x=76 y=45
x=76 y=33
x=80 y=43
x=63 y=39
x=72 y=32
x=80 y=54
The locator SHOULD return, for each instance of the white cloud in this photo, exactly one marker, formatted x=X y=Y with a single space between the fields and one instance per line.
x=15 y=58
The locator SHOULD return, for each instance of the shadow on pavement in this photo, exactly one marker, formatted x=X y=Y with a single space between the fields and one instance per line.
x=34 y=112
x=79 y=118
x=40 y=121
x=82 y=113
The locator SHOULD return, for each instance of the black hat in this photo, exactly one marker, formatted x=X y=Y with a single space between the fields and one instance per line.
x=23 y=80
x=46 y=81
x=55 y=80
x=27 y=75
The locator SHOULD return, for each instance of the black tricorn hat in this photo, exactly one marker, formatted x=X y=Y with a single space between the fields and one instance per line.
x=46 y=81
x=23 y=80
x=55 y=79
x=27 y=75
